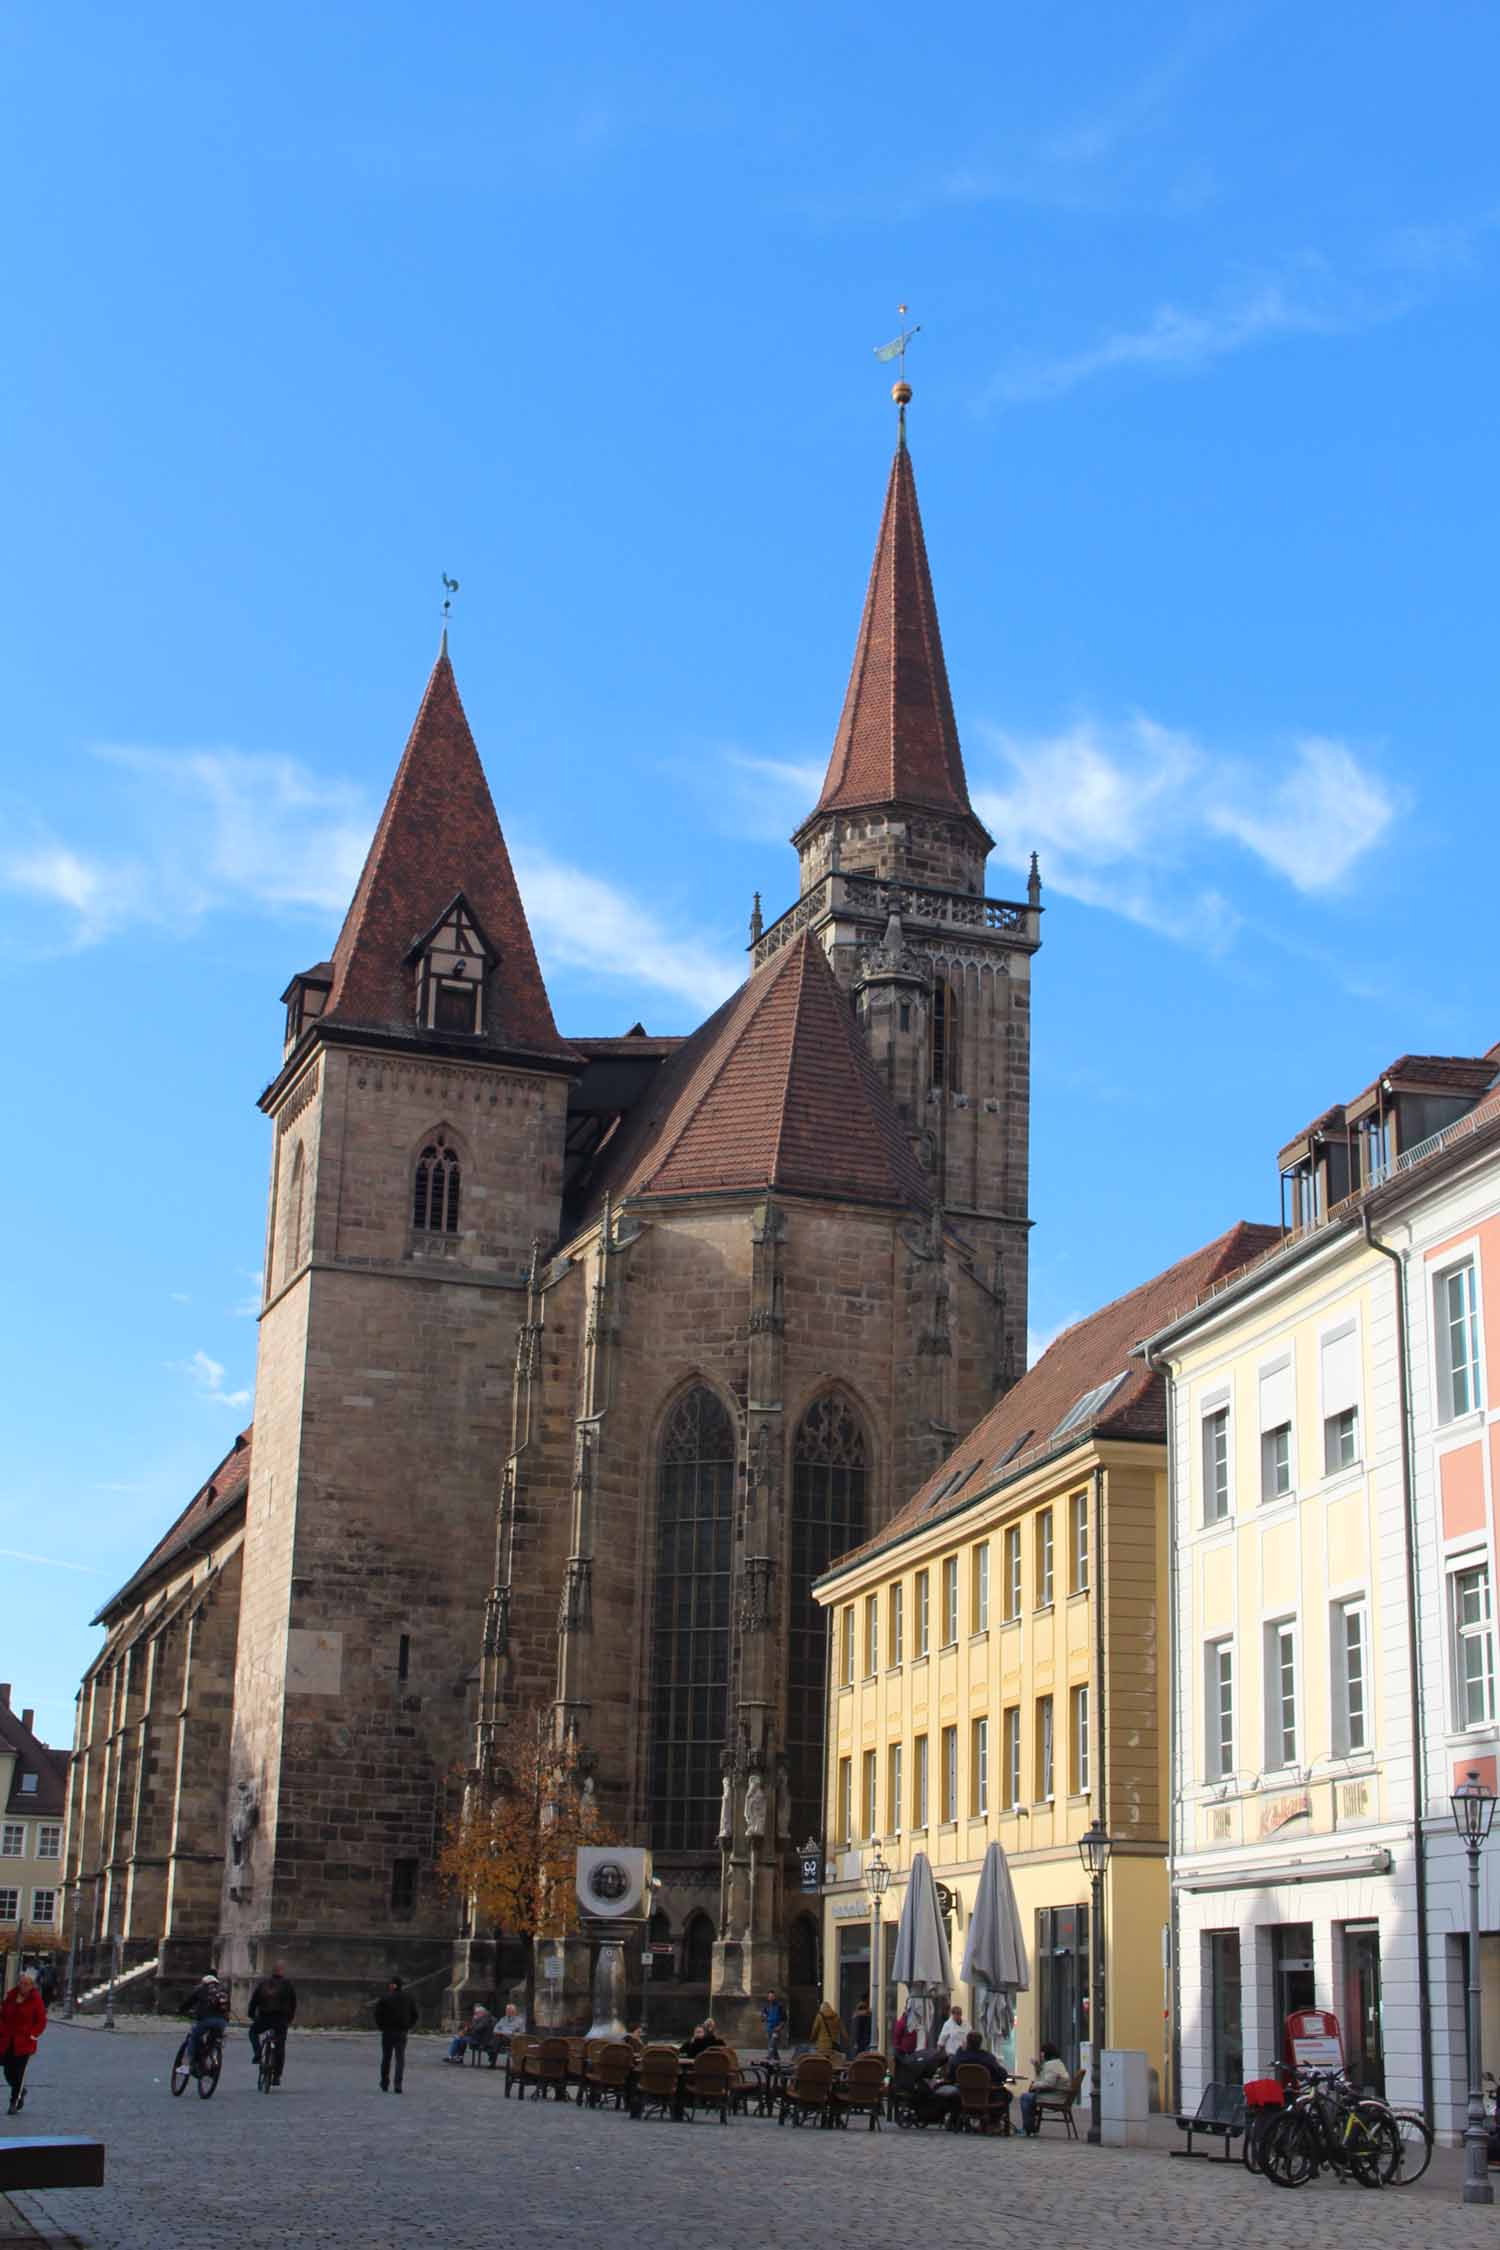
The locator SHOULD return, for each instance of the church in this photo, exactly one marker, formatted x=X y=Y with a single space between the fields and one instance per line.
x=580 y=1359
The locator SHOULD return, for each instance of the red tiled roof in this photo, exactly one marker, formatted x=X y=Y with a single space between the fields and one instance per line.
x=898 y=740
x=1023 y=1428
x=438 y=835
x=1457 y=1074
x=49 y=1797
x=215 y=1500
x=776 y=1090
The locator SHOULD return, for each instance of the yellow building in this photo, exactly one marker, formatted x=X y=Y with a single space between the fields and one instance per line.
x=999 y=1670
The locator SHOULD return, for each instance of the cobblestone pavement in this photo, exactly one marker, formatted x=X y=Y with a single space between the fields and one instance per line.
x=329 y=2158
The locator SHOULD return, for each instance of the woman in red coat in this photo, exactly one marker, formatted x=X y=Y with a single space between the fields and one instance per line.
x=23 y=2019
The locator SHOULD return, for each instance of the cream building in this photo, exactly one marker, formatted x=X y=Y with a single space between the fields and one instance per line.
x=983 y=1687
x=1333 y=1661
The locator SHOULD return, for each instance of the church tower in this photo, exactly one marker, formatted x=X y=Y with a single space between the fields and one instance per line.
x=892 y=885
x=418 y=1120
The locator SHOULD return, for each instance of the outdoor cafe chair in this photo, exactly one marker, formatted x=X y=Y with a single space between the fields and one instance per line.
x=610 y=2067
x=979 y=2103
x=547 y=2067
x=515 y=2063
x=1060 y=2103
x=861 y=2088
x=808 y=2092
x=708 y=2084
x=657 y=2077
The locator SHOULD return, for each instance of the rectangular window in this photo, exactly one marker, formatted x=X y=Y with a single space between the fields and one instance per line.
x=950 y=1773
x=1013 y=1572
x=1044 y=1559
x=1218 y=1705
x=1078 y=1742
x=893 y=1805
x=1276 y=1462
x=872 y=1633
x=1473 y=1646
x=1350 y=1683
x=1044 y=1748
x=919 y=1792
x=979 y=1589
x=10 y=1905
x=29 y=1784
x=950 y=1600
x=1456 y=1318
x=1216 y=1465
x=846 y=1673
x=13 y=1840
x=846 y=1801
x=924 y=1619
x=898 y=1623
x=1340 y=1441
x=44 y=1908
x=868 y=1825
x=49 y=1840
x=1078 y=1517
x=979 y=1768
x=1281 y=1693
x=1011 y=1778
x=403 y=1886
x=403 y=1657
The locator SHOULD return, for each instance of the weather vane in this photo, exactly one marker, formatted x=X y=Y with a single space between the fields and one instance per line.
x=450 y=588
x=896 y=350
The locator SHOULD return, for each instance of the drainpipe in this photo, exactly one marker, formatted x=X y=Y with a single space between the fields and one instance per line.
x=1413 y=1657
x=1164 y=1369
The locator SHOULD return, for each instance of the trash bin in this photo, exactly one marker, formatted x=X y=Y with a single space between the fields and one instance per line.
x=1124 y=2097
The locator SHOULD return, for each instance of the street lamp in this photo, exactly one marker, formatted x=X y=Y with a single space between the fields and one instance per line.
x=878 y=1880
x=1094 y=1848
x=1473 y=1811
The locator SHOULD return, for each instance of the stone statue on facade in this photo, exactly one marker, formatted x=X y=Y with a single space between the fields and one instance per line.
x=726 y=1811
x=755 y=1807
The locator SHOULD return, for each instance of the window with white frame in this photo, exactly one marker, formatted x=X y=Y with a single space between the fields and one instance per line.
x=872 y=1632
x=1472 y=1635
x=10 y=1905
x=1216 y=1465
x=950 y=1773
x=1339 y=1355
x=847 y=1628
x=979 y=1768
x=1013 y=1573
x=1276 y=1430
x=44 y=1908
x=924 y=1621
x=979 y=1588
x=1044 y=1747
x=893 y=1798
x=1079 y=1741
x=923 y=1747
x=1044 y=1559
x=1011 y=1750
x=950 y=1600
x=1349 y=1648
x=1218 y=1707
x=1456 y=1319
x=846 y=1800
x=868 y=1826
x=13 y=1840
x=1078 y=1542
x=1281 y=1693
x=49 y=1840
x=898 y=1623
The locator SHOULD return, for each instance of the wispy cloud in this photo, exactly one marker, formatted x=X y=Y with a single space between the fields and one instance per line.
x=583 y=922
x=1175 y=340
x=48 y=1562
x=207 y=1377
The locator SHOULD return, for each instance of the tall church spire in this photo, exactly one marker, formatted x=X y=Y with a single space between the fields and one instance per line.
x=897 y=741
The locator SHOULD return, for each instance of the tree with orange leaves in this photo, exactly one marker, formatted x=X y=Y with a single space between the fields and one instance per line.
x=511 y=1848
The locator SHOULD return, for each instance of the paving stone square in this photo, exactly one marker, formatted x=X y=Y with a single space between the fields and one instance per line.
x=329 y=2158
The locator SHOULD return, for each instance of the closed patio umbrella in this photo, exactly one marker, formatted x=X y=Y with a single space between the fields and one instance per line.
x=922 y=1962
x=995 y=1955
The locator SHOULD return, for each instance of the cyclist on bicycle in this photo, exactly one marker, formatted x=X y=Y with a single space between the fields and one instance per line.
x=208 y=2005
x=273 y=2004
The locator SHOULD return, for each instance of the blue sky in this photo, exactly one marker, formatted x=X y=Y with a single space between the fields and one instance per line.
x=306 y=306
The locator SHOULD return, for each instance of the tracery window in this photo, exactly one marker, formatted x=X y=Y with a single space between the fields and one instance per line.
x=944 y=1036
x=690 y=1621
x=434 y=1202
x=830 y=1501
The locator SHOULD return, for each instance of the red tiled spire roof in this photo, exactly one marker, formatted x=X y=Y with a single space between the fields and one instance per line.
x=437 y=836
x=776 y=1090
x=898 y=740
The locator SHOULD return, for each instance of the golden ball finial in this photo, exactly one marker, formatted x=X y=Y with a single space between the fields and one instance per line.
x=901 y=393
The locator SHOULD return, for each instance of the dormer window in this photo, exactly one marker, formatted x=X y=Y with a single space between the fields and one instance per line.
x=452 y=963
x=306 y=997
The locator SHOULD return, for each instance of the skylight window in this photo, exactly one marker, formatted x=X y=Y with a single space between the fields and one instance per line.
x=1087 y=1408
x=1016 y=1445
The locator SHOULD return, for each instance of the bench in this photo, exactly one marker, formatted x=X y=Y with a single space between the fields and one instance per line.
x=61 y=2161
x=1220 y=2114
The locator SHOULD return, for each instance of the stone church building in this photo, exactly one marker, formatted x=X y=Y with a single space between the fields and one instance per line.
x=580 y=1359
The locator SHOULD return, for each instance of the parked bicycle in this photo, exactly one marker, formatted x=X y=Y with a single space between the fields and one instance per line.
x=1328 y=2126
x=205 y=2066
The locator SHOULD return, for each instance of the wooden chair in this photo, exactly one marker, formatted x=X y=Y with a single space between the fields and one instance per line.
x=979 y=2103
x=1059 y=2101
x=862 y=2090
x=808 y=2092
x=708 y=2083
x=547 y=2069
x=515 y=2063
x=610 y=2069
x=657 y=2076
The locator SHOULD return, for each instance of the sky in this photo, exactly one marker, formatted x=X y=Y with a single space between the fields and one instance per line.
x=305 y=307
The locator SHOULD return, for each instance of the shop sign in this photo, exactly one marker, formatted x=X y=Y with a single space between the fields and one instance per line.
x=1280 y=1810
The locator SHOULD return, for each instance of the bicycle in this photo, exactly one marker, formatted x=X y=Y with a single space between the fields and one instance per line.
x=205 y=2069
x=267 y=2062
x=1328 y=2125
x=1266 y=2099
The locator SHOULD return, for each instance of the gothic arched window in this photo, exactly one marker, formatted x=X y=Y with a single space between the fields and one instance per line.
x=690 y=1621
x=697 y=1950
x=434 y=1201
x=944 y=1036
x=291 y=1218
x=830 y=1499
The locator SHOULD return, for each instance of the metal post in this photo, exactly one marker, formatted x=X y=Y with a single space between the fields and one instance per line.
x=70 y=1998
x=1096 y=2008
x=109 y=1997
x=1477 y=2187
x=877 y=1978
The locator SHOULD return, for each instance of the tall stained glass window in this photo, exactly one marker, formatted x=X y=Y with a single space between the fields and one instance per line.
x=690 y=1622
x=830 y=1487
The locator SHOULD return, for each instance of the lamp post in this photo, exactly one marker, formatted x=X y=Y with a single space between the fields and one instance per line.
x=1094 y=1848
x=878 y=1879
x=1473 y=1811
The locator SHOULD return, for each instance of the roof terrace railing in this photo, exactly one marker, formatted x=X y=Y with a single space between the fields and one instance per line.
x=867 y=896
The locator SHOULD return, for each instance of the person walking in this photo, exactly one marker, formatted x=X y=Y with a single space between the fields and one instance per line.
x=860 y=2031
x=954 y=2032
x=773 y=2016
x=395 y=2014
x=23 y=2019
x=828 y=2031
x=273 y=2004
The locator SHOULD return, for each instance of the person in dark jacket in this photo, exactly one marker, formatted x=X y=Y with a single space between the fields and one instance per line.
x=208 y=2005
x=23 y=2019
x=395 y=2013
x=273 y=2004
x=859 y=2027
